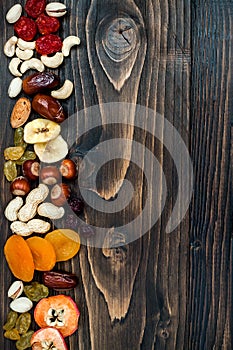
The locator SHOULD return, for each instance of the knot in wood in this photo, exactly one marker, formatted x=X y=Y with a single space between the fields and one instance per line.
x=120 y=37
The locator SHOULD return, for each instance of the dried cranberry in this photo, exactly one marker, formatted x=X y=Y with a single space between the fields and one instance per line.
x=71 y=221
x=35 y=7
x=48 y=44
x=76 y=204
x=25 y=28
x=47 y=24
x=86 y=231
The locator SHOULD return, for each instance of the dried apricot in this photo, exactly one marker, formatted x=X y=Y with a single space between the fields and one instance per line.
x=19 y=258
x=66 y=243
x=43 y=253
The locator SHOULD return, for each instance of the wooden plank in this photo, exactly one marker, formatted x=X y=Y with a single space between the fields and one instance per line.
x=211 y=229
x=164 y=290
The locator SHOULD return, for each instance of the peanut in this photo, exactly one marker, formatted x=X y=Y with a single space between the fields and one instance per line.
x=12 y=208
x=50 y=211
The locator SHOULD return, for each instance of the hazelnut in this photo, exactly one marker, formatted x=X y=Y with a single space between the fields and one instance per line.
x=68 y=169
x=50 y=175
x=31 y=169
x=20 y=186
x=59 y=194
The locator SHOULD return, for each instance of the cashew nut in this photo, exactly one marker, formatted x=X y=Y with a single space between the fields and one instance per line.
x=24 y=54
x=24 y=45
x=53 y=61
x=69 y=42
x=13 y=67
x=33 y=63
x=15 y=87
x=9 y=47
x=64 y=92
x=14 y=13
x=12 y=208
x=50 y=211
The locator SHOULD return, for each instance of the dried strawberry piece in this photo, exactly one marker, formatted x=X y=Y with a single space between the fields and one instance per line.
x=35 y=7
x=25 y=28
x=47 y=24
x=48 y=44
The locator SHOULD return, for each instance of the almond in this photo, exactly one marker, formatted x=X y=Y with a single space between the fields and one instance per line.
x=21 y=112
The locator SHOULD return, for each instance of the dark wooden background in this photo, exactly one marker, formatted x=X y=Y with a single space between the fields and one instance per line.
x=173 y=291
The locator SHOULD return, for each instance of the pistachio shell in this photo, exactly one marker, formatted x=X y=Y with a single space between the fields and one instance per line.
x=15 y=290
x=21 y=305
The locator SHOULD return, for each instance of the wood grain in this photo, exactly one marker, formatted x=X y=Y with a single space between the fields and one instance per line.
x=210 y=281
x=164 y=290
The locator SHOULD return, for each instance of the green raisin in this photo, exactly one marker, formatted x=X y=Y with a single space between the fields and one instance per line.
x=11 y=320
x=12 y=334
x=36 y=291
x=28 y=155
x=23 y=323
x=18 y=138
x=13 y=153
x=25 y=341
x=10 y=170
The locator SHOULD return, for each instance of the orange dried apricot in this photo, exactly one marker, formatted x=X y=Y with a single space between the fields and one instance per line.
x=43 y=253
x=19 y=258
x=66 y=243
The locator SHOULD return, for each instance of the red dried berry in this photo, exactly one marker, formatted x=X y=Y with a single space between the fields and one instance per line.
x=48 y=44
x=35 y=7
x=76 y=204
x=47 y=24
x=25 y=28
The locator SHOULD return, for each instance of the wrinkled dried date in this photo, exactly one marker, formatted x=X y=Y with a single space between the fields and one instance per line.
x=60 y=280
x=39 y=82
x=49 y=108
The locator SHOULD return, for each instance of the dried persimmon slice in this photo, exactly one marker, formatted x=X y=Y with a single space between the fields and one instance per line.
x=59 y=311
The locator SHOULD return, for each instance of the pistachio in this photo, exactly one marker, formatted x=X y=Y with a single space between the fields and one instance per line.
x=15 y=290
x=14 y=13
x=21 y=305
x=55 y=9
x=15 y=87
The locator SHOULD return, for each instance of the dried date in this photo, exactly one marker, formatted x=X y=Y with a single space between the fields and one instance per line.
x=39 y=82
x=60 y=280
x=49 y=108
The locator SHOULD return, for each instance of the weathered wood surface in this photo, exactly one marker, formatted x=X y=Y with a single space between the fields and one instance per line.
x=164 y=290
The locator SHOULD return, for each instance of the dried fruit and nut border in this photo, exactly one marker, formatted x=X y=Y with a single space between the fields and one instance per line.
x=40 y=173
